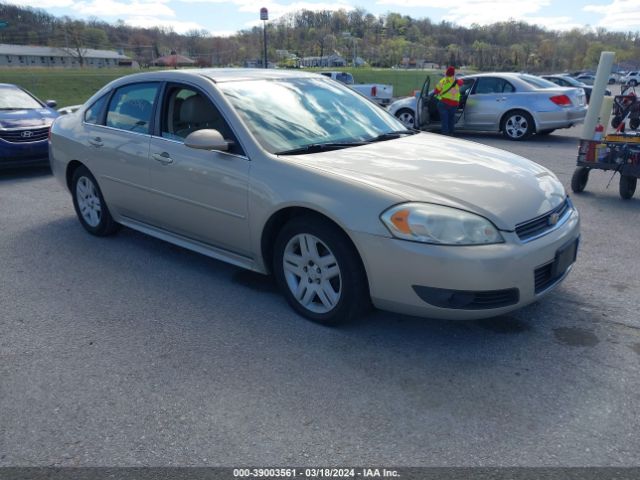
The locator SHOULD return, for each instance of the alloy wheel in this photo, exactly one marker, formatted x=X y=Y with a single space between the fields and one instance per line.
x=312 y=273
x=88 y=201
x=516 y=126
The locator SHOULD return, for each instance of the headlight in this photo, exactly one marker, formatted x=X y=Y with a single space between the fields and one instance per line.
x=427 y=223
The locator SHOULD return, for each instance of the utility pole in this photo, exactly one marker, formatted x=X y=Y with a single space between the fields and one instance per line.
x=264 y=16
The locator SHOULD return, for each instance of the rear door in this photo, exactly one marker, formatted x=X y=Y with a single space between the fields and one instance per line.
x=488 y=100
x=117 y=131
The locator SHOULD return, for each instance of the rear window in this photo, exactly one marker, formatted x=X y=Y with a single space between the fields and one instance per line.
x=93 y=113
x=537 y=81
x=131 y=107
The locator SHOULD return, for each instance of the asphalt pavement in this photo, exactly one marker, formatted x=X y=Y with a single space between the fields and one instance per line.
x=129 y=351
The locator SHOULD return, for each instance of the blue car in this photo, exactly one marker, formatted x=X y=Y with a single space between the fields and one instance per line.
x=24 y=127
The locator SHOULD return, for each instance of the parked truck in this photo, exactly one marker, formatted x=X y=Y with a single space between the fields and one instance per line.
x=378 y=92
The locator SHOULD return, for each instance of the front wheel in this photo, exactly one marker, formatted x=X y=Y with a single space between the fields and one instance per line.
x=517 y=125
x=627 y=186
x=319 y=272
x=407 y=117
x=89 y=204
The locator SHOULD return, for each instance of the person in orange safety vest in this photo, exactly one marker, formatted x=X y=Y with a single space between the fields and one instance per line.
x=447 y=92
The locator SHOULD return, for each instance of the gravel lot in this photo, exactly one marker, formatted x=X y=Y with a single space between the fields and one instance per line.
x=130 y=351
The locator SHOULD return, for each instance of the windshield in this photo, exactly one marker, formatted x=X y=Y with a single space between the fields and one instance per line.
x=288 y=114
x=12 y=98
x=537 y=81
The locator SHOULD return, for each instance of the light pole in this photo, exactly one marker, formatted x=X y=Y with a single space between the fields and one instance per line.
x=264 y=16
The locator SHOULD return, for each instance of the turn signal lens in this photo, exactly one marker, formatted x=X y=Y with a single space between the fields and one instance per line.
x=400 y=220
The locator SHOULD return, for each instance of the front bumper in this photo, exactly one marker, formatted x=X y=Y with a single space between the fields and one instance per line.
x=14 y=155
x=395 y=267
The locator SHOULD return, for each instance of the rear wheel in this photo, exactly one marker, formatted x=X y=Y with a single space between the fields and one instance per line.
x=517 y=125
x=406 y=116
x=319 y=272
x=89 y=204
x=579 y=179
x=627 y=186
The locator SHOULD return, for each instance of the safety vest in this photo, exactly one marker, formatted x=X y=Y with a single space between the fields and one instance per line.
x=452 y=96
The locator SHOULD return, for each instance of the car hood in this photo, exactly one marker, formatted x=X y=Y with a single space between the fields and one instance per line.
x=27 y=118
x=503 y=187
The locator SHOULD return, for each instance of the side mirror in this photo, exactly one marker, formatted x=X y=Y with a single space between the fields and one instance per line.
x=206 y=139
x=51 y=103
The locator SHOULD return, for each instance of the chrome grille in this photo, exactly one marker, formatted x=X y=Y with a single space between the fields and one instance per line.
x=25 y=136
x=541 y=225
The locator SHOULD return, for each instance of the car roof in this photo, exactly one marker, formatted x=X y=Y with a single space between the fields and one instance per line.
x=220 y=75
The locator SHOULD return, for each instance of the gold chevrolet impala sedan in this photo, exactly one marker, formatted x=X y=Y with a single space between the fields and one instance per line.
x=296 y=175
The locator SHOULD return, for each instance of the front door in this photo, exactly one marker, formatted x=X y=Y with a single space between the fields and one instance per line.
x=200 y=194
x=423 y=115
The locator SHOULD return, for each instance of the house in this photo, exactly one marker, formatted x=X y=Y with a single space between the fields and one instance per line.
x=33 y=56
x=174 y=60
x=325 y=61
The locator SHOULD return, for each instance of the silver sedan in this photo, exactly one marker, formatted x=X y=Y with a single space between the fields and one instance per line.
x=296 y=175
x=518 y=105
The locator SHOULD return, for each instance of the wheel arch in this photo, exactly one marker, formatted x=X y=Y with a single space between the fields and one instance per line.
x=279 y=218
x=72 y=166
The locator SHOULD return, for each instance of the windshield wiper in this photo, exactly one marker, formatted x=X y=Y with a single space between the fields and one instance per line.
x=320 y=147
x=392 y=135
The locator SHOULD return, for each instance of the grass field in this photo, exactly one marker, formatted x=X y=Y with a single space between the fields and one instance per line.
x=74 y=86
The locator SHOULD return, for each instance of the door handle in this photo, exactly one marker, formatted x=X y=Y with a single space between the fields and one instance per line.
x=96 y=142
x=501 y=99
x=164 y=158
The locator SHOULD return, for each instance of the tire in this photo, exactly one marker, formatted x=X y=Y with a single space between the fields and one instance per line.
x=633 y=83
x=407 y=117
x=611 y=81
x=579 y=179
x=546 y=132
x=305 y=250
x=627 y=186
x=634 y=123
x=517 y=125
x=89 y=204
x=616 y=121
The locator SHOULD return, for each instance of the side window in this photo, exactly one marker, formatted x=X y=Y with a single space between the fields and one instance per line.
x=93 y=113
x=345 y=78
x=467 y=85
x=494 y=85
x=187 y=110
x=131 y=107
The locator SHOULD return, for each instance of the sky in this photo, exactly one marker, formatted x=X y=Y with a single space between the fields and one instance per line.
x=225 y=17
